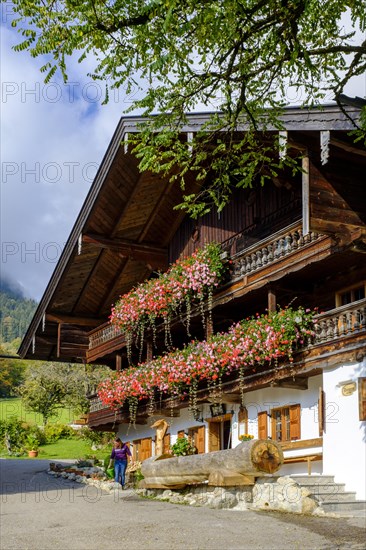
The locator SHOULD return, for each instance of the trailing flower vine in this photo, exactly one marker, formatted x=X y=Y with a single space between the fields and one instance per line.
x=263 y=339
x=187 y=280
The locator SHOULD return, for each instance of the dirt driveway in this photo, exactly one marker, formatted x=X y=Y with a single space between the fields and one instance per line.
x=42 y=513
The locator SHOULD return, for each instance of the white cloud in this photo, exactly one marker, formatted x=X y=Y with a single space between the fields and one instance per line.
x=53 y=138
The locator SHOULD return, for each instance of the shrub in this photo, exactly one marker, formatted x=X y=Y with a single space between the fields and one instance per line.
x=96 y=438
x=13 y=433
x=183 y=447
x=54 y=432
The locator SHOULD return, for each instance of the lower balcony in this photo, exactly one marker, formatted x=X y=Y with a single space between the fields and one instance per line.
x=339 y=334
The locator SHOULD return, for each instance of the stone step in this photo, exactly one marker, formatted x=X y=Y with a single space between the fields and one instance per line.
x=330 y=488
x=314 y=479
x=334 y=497
x=344 y=506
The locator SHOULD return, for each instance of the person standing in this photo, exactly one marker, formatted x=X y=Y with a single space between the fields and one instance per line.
x=120 y=454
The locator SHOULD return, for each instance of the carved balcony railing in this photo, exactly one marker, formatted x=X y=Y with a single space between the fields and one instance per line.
x=103 y=334
x=246 y=260
x=340 y=322
x=267 y=251
x=96 y=404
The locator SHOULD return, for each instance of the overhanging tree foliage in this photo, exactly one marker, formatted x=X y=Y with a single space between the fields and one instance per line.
x=239 y=56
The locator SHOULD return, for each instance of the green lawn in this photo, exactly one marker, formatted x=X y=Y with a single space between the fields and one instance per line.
x=70 y=448
x=14 y=407
x=64 y=448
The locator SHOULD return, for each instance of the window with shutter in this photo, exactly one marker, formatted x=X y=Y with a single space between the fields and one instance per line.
x=146 y=448
x=262 y=425
x=197 y=438
x=285 y=423
x=214 y=442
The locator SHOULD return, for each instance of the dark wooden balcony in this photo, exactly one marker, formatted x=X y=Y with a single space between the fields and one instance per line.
x=287 y=250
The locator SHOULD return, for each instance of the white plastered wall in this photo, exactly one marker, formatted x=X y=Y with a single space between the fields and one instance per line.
x=344 y=439
x=176 y=424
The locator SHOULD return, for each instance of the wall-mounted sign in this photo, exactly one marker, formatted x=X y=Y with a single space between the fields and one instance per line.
x=218 y=409
x=349 y=389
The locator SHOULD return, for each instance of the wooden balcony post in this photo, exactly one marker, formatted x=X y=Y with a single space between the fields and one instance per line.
x=209 y=326
x=149 y=350
x=118 y=362
x=272 y=299
x=305 y=194
x=58 y=352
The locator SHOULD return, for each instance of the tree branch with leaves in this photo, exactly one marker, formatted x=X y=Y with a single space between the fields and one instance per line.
x=239 y=57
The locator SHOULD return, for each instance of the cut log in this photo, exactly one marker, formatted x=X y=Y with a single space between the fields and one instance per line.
x=249 y=458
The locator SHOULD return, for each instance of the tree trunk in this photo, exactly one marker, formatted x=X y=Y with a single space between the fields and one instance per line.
x=249 y=458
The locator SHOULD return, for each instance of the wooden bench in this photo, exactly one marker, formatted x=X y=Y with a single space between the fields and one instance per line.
x=304 y=458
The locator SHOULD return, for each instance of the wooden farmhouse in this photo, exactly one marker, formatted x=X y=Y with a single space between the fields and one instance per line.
x=298 y=241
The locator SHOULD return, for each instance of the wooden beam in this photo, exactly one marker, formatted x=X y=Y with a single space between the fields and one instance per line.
x=71 y=320
x=151 y=254
x=58 y=339
x=347 y=147
x=292 y=383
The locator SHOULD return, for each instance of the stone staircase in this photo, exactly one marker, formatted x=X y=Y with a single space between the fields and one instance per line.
x=331 y=496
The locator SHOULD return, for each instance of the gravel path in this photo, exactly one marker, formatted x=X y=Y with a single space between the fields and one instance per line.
x=42 y=513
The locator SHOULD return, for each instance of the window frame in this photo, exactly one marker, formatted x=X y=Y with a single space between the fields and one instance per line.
x=351 y=289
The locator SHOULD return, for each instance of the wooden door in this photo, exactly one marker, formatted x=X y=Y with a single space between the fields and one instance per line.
x=214 y=442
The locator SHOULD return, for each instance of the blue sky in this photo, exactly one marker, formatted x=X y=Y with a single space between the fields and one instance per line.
x=53 y=137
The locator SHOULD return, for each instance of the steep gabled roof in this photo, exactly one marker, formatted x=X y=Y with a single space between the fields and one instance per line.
x=121 y=234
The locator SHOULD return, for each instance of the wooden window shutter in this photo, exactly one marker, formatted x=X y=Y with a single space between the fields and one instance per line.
x=262 y=425
x=200 y=440
x=136 y=449
x=362 y=398
x=295 y=416
x=243 y=418
x=146 y=448
x=321 y=409
x=166 y=443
